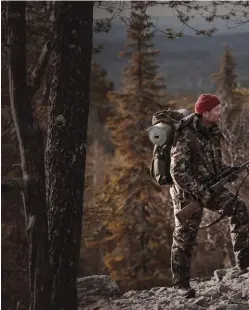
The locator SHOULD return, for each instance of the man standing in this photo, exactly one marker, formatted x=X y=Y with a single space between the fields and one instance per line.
x=188 y=178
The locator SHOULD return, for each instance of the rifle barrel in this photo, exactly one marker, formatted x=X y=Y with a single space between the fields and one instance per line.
x=224 y=180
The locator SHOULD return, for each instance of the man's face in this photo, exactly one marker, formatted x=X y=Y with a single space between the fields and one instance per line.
x=213 y=116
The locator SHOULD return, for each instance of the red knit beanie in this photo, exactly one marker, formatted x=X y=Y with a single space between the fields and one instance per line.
x=205 y=103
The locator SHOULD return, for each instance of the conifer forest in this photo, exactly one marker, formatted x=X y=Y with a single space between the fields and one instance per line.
x=81 y=81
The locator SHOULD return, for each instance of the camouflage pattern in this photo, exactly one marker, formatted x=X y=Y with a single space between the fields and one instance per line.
x=188 y=177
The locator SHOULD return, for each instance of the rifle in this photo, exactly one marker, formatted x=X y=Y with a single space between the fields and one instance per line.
x=214 y=185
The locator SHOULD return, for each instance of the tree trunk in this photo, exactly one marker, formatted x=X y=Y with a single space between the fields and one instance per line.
x=66 y=145
x=32 y=156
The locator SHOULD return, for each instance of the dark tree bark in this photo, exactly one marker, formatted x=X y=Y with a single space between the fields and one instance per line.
x=66 y=145
x=32 y=154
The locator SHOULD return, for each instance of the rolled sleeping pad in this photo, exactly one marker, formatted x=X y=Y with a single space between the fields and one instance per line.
x=159 y=133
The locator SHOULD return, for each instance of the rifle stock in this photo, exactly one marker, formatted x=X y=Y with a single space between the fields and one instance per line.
x=187 y=212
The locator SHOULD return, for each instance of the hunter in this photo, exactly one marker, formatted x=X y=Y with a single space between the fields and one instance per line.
x=188 y=178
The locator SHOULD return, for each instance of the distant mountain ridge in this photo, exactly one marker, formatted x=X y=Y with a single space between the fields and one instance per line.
x=185 y=63
x=118 y=28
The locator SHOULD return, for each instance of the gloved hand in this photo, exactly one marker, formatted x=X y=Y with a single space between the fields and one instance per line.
x=233 y=176
x=205 y=195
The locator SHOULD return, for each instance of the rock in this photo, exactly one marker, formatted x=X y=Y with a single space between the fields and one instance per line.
x=219 y=274
x=244 y=273
x=121 y=303
x=239 y=279
x=98 y=304
x=231 y=274
x=231 y=305
x=223 y=288
x=192 y=307
x=157 y=306
x=160 y=290
x=129 y=294
x=237 y=296
x=154 y=289
x=216 y=295
x=235 y=299
x=194 y=283
x=217 y=307
x=245 y=293
x=177 y=307
x=224 y=297
x=205 y=279
x=201 y=301
x=92 y=288
x=226 y=274
x=145 y=295
x=207 y=292
x=210 y=296
x=174 y=307
x=151 y=293
x=177 y=302
x=164 y=300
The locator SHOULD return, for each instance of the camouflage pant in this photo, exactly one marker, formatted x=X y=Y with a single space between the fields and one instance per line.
x=183 y=237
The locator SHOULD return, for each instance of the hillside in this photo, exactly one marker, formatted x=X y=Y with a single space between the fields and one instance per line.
x=185 y=63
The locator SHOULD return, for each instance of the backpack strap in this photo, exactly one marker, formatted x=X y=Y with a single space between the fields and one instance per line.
x=195 y=145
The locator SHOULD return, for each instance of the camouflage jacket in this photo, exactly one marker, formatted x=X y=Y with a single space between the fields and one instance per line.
x=188 y=174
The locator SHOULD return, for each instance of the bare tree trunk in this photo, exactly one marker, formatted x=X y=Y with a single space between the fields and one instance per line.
x=32 y=155
x=66 y=145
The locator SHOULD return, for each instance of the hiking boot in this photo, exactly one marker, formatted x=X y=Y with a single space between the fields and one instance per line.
x=185 y=291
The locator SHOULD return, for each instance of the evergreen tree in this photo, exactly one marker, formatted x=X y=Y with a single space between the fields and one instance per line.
x=137 y=233
x=231 y=99
x=234 y=126
x=100 y=108
x=99 y=157
x=226 y=78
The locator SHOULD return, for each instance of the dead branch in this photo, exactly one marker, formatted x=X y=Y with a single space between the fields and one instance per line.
x=31 y=147
x=31 y=223
x=36 y=71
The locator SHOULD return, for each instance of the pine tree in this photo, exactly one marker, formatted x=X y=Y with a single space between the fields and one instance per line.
x=225 y=81
x=234 y=126
x=100 y=108
x=137 y=233
x=226 y=78
x=99 y=157
x=232 y=102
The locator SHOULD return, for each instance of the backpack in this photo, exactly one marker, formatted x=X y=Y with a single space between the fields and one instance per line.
x=166 y=128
